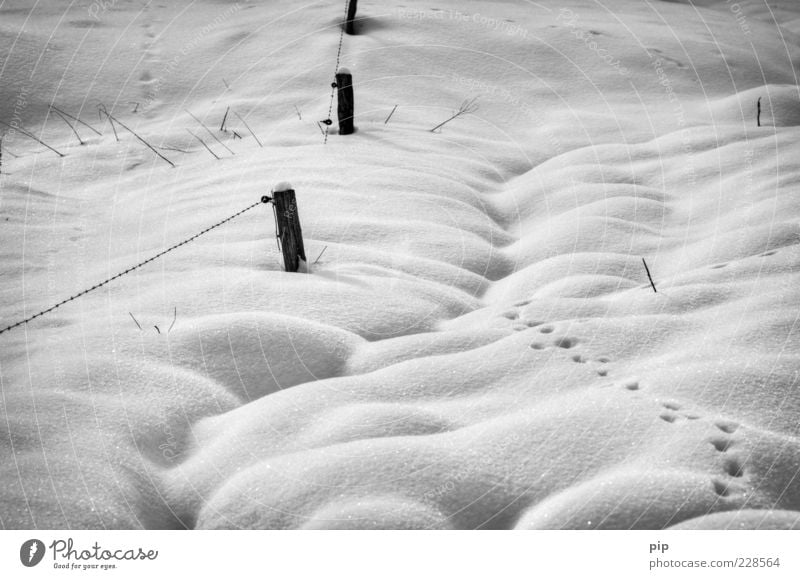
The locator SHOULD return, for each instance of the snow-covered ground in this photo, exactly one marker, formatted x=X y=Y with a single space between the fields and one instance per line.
x=479 y=345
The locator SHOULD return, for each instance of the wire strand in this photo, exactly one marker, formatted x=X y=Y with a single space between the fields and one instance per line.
x=338 y=59
x=129 y=270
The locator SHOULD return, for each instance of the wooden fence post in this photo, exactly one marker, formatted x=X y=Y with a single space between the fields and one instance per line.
x=346 y=105
x=351 y=16
x=289 y=232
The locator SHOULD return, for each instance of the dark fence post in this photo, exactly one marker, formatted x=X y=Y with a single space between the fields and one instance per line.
x=351 y=16
x=289 y=232
x=346 y=105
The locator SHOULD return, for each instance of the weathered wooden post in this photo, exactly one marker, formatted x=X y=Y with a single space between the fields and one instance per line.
x=346 y=106
x=351 y=16
x=289 y=232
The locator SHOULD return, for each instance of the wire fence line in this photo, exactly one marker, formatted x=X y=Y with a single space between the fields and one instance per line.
x=193 y=237
x=328 y=121
x=133 y=268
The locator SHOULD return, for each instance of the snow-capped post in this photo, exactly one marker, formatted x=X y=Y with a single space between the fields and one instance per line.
x=289 y=232
x=344 y=86
x=351 y=16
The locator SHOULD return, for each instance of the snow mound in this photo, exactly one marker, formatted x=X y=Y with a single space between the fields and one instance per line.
x=477 y=343
x=253 y=354
x=746 y=519
x=780 y=107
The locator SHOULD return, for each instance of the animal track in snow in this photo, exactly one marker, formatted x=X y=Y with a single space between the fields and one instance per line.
x=726 y=426
x=674 y=61
x=523 y=325
x=671 y=412
x=722 y=488
x=733 y=467
x=567 y=343
x=721 y=444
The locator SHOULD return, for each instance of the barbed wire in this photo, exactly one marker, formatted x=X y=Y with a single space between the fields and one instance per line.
x=328 y=121
x=134 y=268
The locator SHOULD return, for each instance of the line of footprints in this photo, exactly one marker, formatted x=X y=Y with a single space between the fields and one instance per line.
x=544 y=328
x=722 y=442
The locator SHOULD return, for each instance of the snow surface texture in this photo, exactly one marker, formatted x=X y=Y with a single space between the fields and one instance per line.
x=479 y=345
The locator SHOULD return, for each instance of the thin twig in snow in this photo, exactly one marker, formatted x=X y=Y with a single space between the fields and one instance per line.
x=174 y=318
x=758 y=112
x=248 y=128
x=169 y=148
x=37 y=139
x=209 y=132
x=131 y=131
x=63 y=118
x=390 y=115
x=101 y=110
x=134 y=321
x=203 y=143
x=76 y=119
x=2 y=148
x=320 y=255
x=467 y=107
x=647 y=269
x=225 y=118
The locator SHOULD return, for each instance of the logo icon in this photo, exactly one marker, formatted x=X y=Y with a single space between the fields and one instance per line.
x=31 y=552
